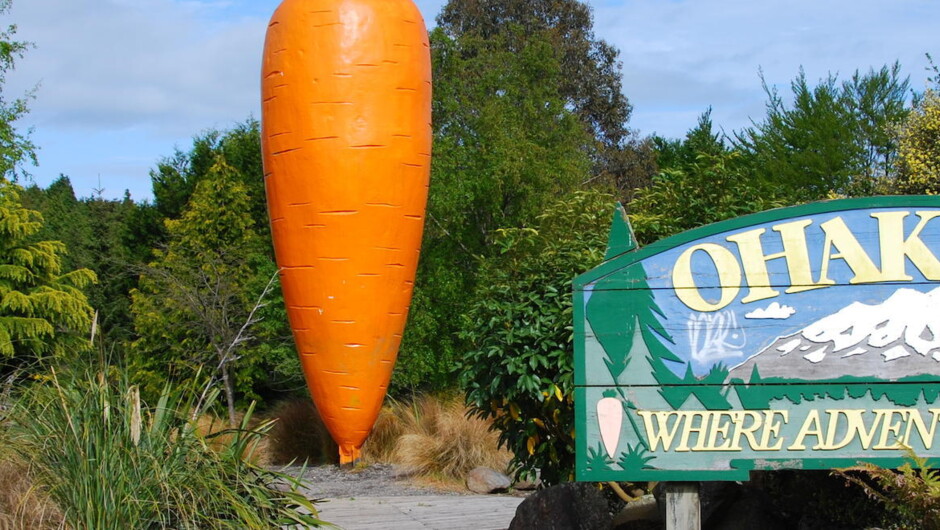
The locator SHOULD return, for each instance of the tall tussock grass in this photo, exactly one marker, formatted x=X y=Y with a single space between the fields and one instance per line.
x=430 y=436
x=107 y=460
x=434 y=436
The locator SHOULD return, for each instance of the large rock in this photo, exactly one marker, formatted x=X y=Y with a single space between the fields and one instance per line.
x=569 y=506
x=485 y=480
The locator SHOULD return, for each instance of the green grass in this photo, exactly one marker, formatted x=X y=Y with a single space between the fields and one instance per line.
x=108 y=461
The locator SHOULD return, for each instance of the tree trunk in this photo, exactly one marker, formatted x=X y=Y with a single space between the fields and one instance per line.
x=229 y=393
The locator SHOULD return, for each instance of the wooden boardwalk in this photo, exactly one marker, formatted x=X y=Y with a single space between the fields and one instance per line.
x=437 y=512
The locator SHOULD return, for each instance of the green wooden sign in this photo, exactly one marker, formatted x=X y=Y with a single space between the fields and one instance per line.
x=798 y=338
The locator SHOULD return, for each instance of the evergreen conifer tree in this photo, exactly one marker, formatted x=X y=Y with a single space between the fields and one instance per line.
x=43 y=310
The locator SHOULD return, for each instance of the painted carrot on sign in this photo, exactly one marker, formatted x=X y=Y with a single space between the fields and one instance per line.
x=346 y=137
x=609 y=419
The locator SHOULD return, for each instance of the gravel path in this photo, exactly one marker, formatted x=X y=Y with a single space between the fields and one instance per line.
x=376 y=480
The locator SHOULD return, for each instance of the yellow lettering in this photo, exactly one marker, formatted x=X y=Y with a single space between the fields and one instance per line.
x=704 y=419
x=661 y=432
x=894 y=247
x=810 y=427
x=830 y=443
x=795 y=252
x=747 y=432
x=857 y=425
x=917 y=422
x=772 y=428
x=838 y=235
x=719 y=428
x=729 y=277
x=888 y=427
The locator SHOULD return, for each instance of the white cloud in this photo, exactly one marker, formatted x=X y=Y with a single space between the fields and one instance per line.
x=153 y=73
x=119 y=63
x=774 y=310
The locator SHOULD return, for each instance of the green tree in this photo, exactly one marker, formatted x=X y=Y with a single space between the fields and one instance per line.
x=877 y=101
x=919 y=139
x=831 y=138
x=519 y=369
x=64 y=219
x=505 y=145
x=15 y=146
x=194 y=303
x=702 y=182
x=175 y=178
x=683 y=153
x=108 y=256
x=504 y=140
x=43 y=311
x=95 y=231
x=175 y=181
x=590 y=81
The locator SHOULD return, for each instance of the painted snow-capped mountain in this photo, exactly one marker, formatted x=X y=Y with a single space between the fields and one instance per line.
x=897 y=338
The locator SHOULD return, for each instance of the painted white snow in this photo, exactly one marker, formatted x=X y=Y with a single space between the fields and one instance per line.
x=856 y=351
x=895 y=353
x=788 y=346
x=816 y=355
x=907 y=316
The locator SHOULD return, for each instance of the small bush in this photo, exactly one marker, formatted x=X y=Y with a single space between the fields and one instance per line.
x=430 y=436
x=389 y=426
x=107 y=460
x=435 y=437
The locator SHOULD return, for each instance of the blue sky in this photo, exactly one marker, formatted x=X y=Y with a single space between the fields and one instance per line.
x=121 y=83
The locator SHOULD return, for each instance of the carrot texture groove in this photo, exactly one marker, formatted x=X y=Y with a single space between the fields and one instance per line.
x=346 y=138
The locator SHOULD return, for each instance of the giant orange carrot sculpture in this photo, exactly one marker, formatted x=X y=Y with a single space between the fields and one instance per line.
x=346 y=136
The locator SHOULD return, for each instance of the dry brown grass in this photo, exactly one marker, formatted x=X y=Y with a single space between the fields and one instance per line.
x=213 y=429
x=23 y=506
x=433 y=436
x=299 y=435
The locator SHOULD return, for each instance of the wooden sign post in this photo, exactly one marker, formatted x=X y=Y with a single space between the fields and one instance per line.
x=683 y=509
x=798 y=338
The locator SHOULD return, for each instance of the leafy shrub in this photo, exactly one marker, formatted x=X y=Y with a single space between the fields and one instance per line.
x=519 y=373
x=919 y=147
x=109 y=461
x=713 y=188
x=912 y=492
